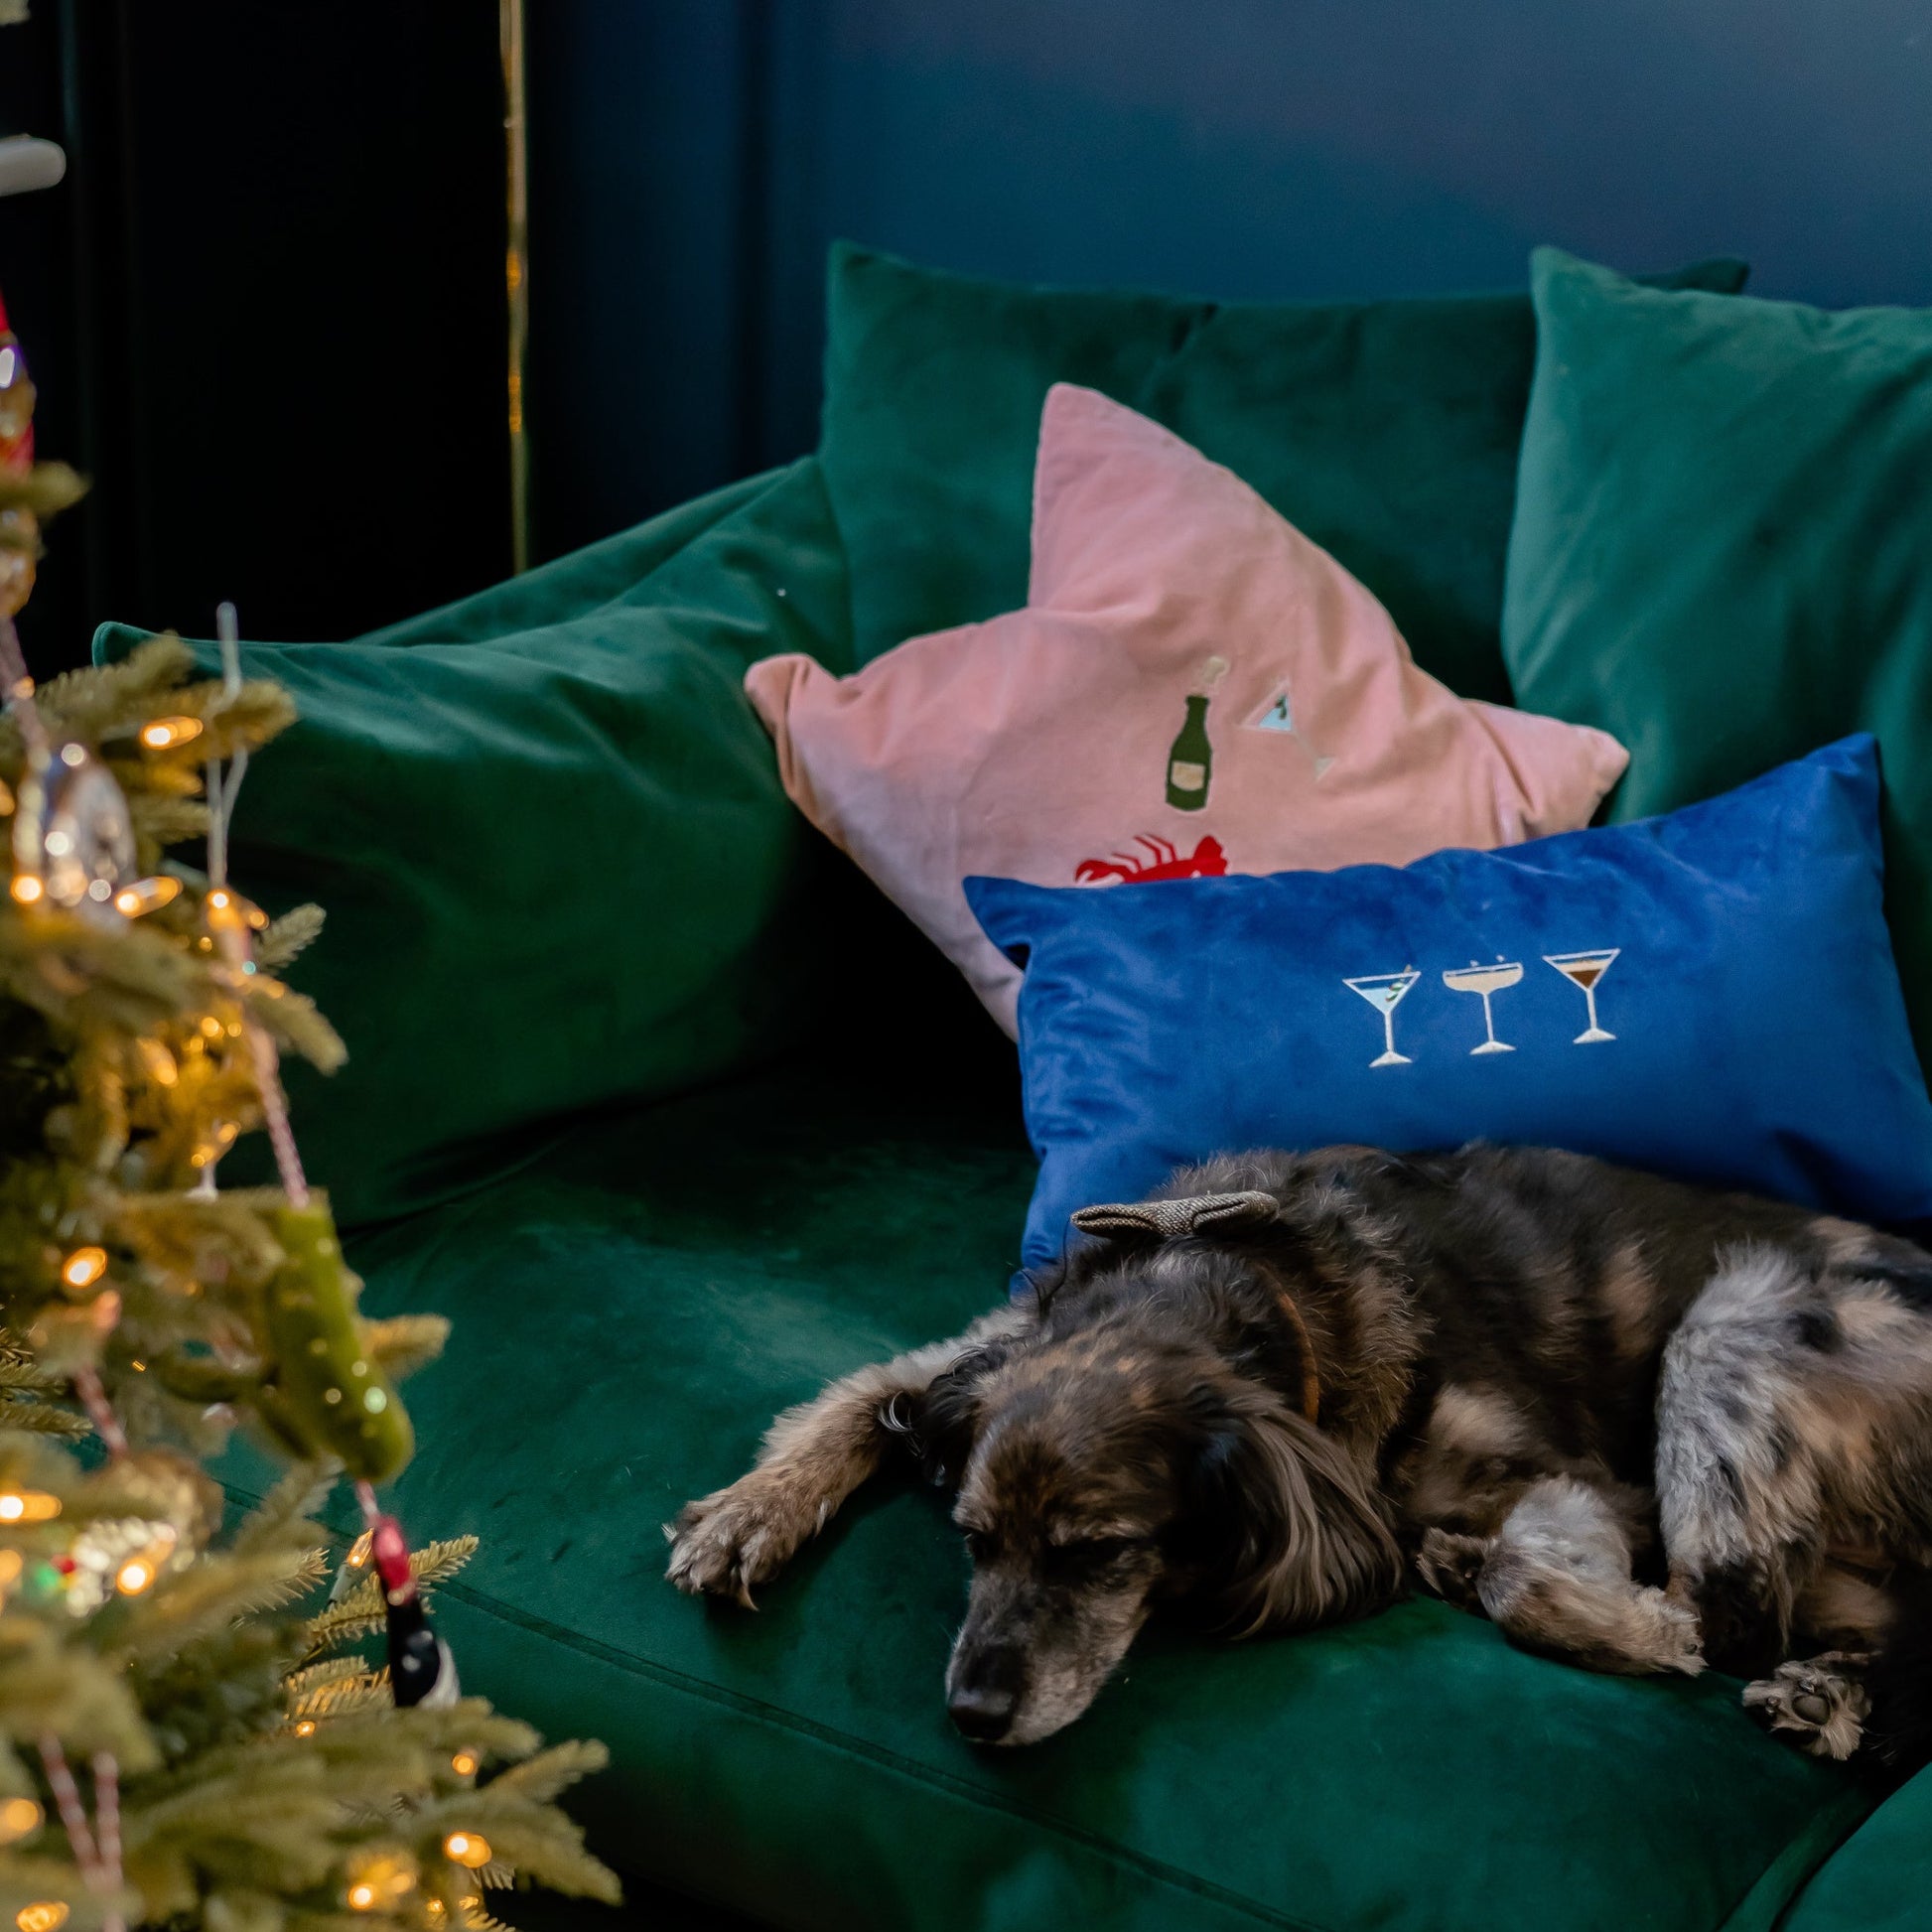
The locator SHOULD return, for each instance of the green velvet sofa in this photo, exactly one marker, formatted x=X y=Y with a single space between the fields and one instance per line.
x=638 y=1281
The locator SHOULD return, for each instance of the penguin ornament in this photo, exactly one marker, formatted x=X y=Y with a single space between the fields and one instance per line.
x=421 y=1668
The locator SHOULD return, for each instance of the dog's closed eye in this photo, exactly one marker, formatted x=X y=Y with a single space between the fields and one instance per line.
x=1084 y=1557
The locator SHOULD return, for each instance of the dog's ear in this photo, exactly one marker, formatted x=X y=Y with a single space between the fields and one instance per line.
x=1132 y=1222
x=1282 y=1529
x=938 y=1424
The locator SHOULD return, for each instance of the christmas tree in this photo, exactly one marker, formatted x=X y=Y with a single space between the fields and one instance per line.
x=190 y=1731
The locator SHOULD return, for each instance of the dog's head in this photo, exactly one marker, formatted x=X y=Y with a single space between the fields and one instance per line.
x=1125 y=1454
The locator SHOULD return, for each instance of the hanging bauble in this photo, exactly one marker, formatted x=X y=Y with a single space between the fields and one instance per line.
x=15 y=401
x=322 y=1392
x=73 y=838
x=20 y=533
x=421 y=1668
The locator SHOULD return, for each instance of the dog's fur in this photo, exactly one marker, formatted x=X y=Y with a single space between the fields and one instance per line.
x=1642 y=1427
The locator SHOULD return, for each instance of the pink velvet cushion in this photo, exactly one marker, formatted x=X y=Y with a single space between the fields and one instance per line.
x=1193 y=688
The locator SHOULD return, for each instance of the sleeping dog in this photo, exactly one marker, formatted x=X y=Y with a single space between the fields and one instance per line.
x=1642 y=1427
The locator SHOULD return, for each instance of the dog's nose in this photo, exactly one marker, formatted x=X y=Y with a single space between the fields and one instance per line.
x=985 y=1692
x=984 y=1711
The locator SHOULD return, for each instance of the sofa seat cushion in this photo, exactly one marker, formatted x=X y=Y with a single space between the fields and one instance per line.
x=630 y=1309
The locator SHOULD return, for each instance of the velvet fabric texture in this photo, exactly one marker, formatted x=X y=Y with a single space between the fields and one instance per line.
x=1708 y=995
x=1192 y=687
x=1385 y=431
x=629 y=1312
x=558 y=865
x=1723 y=549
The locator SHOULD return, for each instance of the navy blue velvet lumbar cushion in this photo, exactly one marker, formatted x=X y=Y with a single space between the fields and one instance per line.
x=1709 y=995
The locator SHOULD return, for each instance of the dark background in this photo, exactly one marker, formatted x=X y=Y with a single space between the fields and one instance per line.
x=265 y=310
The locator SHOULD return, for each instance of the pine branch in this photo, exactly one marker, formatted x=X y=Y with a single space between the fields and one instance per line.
x=218 y=1588
x=26 y=1878
x=293 y=1021
x=361 y=1612
x=551 y=1772
x=42 y=1419
x=281 y=1519
x=47 y=1686
x=403 y=1343
x=288 y=936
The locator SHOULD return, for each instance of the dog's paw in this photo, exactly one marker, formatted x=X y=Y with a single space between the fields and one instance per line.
x=1449 y=1565
x=1822 y=1712
x=724 y=1543
x=1675 y=1638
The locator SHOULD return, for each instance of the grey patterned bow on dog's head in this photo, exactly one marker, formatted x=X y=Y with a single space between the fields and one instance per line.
x=1164 y=1220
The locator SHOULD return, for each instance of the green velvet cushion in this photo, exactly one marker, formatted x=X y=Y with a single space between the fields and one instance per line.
x=1723 y=549
x=631 y=1310
x=1877 y=1883
x=558 y=865
x=1386 y=431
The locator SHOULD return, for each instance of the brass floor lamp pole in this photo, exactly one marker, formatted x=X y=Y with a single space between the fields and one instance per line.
x=516 y=278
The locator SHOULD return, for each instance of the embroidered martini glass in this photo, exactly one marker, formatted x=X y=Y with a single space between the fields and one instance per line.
x=1486 y=980
x=1582 y=970
x=1384 y=991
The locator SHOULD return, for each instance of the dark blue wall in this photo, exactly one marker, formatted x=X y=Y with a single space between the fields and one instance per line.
x=692 y=158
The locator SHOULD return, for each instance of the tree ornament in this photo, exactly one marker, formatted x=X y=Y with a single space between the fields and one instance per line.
x=120 y=1556
x=73 y=838
x=421 y=1668
x=19 y=527
x=323 y=1394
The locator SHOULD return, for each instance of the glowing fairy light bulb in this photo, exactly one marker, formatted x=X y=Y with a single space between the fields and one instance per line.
x=134 y=1576
x=469 y=1849
x=43 y=1916
x=380 y=1881
x=28 y=1506
x=306 y=1729
x=166 y=733
x=463 y=1764
x=162 y=1067
x=19 y=1818
x=83 y=1268
x=147 y=895
x=27 y=890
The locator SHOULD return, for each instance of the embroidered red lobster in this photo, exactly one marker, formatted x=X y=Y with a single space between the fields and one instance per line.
x=1206 y=861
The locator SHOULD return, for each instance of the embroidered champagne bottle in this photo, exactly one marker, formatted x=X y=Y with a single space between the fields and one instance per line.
x=1190 y=760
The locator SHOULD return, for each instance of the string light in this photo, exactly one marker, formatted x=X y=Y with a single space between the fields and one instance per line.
x=83 y=1268
x=134 y=1576
x=463 y=1764
x=43 y=1916
x=147 y=895
x=166 y=733
x=27 y=890
x=19 y=1818
x=380 y=1881
x=470 y=1849
x=28 y=1506
x=306 y=1729
x=160 y=1063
